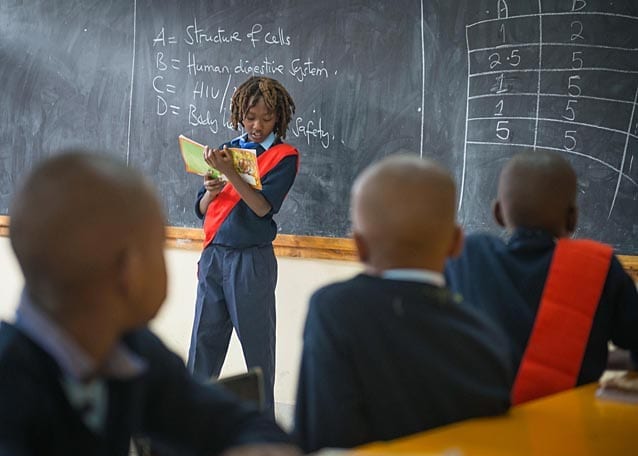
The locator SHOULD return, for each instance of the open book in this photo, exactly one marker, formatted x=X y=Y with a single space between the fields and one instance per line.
x=245 y=161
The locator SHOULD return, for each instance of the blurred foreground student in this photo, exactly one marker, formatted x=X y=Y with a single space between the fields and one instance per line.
x=391 y=351
x=559 y=300
x=79 y=372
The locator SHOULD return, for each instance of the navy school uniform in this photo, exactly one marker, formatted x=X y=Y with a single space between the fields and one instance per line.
x=237 y=276
x=385 y=358
x=505 y=280
x=163 y=403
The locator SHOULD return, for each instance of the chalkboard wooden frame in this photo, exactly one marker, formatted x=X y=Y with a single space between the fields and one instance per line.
x=292 y=246
x=286 y=245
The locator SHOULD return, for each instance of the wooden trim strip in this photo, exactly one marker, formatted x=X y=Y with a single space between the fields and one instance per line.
x=630 y=263
x=287 y=245
x=4 y=225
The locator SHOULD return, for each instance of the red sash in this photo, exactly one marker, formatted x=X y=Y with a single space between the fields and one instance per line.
x=556 y=346
x=226 y=200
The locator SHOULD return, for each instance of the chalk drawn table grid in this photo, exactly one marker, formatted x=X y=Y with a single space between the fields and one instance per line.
x=539 y=92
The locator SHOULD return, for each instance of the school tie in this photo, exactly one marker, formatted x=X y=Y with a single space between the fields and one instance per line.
x=248 y=144
x=90 y=400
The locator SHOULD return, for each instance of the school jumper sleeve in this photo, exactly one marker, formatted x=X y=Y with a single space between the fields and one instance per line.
x=325 y=356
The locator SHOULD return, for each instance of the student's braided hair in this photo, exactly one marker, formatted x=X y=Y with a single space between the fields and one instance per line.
x=275 y=96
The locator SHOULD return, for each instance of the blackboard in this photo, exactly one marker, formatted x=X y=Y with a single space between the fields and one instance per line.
x=467 y=83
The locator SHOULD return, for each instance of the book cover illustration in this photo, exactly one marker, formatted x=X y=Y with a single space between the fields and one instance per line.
x=244 y=160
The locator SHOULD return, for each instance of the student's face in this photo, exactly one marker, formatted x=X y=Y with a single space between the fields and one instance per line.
x=259 y=122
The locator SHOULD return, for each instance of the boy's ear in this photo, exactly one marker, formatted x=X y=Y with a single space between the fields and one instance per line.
x=571 y=219
x=497 y=211
x=362 y=247
x=457 y=242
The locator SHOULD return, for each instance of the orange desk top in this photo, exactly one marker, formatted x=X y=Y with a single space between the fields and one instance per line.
x=571 y=423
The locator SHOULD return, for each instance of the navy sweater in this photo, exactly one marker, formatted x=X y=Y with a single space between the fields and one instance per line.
x=505 y=280
x=386 y=358
x=164 y=404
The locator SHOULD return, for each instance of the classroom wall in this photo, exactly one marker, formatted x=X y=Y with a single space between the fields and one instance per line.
x=298 y=278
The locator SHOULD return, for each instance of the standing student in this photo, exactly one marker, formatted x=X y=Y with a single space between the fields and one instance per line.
x=391 y=351
x=238 y=269
x=80 y=373
x=560 y=301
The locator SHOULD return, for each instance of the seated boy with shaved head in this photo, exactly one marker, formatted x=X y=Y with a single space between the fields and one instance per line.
x=559 y=300
x=391 y=351
x=79 y=373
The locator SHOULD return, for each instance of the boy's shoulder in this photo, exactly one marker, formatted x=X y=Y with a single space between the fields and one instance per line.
x=482 y=237
x=28 y=375
x=364 y=293
x=347 y=298
x=482 y=242
x=342 y=289
x=15 y=347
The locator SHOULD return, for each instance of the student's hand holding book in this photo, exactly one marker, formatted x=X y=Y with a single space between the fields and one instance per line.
x=213 y=185
x=221 y=160
x=214 y=181
x=216 y=164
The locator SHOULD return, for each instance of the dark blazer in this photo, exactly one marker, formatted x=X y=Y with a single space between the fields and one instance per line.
x=163 y=403
x=386 y=358
x=505 y=280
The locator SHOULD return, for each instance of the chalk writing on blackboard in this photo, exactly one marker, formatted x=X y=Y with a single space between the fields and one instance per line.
x=542 y=88
x=202 y=102
x=465 y=82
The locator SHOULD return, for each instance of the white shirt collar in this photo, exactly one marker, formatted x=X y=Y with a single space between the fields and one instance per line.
x=415 y=275
x=266 y=143
x=122 y=363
